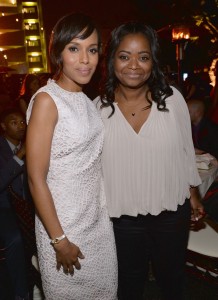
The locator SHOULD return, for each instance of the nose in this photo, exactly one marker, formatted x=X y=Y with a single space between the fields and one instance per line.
x=133 y=64
x=84 y=57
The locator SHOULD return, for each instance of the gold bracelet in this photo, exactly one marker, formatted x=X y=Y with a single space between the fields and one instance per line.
x=57 y=240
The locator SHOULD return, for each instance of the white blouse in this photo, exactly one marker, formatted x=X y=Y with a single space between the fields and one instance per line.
x=151 y=171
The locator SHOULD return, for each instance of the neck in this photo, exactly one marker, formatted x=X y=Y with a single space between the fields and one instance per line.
x=131 y=97
x=13 y=141
x=67 y=84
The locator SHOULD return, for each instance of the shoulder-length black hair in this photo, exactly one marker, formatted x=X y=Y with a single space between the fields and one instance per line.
x=74 y=25
x=157 y=84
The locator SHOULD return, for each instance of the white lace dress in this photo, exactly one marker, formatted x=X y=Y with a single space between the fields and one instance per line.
x=75 y=181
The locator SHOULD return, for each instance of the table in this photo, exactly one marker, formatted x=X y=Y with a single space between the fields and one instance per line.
x=202 y=253
x=205 y=241
x=207 y=177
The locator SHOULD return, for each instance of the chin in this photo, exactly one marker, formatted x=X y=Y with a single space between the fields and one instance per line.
x=84 y=81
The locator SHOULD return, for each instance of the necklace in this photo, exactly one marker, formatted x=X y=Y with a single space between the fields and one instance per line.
x=143 y=108
x=133 y=113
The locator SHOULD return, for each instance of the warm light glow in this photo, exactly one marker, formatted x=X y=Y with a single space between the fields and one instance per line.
x=180 y=33
x=32 y=52
x=8 y=3
x=29 y=3
x=36 y=69
x=211 y=72
x=35 y=53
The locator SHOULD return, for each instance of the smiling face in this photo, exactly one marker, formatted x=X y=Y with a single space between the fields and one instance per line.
x=79 y=58
x=133 y=61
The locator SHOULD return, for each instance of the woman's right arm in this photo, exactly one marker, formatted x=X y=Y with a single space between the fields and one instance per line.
x=40 y=131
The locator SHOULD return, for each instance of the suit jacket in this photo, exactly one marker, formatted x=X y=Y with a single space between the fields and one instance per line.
x=206 y=136
x=11 y=173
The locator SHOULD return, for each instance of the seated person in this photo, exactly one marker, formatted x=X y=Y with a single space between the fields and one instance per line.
x=210 y=201
x=12 y=173
x=204 y=131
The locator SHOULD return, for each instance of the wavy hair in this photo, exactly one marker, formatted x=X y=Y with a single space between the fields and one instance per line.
x=74 y=25
x=157 y=84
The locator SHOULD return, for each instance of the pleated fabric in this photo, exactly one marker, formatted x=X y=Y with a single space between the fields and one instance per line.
x=153 y=170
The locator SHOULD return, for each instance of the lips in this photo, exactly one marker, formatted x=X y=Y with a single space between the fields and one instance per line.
x=84 y=72
x=133 y=75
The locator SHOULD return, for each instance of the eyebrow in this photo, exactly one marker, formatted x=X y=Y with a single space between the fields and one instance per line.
x=15 y=119
x=75 y=43
x=140 y=52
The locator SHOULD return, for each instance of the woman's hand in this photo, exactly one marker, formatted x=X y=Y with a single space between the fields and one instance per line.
x=199 y=151
x=197 y=209
x=67 y=255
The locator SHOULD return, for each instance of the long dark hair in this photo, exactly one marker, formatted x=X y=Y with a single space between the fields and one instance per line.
x=25 y=91
x=67 y=28
x=157 y=84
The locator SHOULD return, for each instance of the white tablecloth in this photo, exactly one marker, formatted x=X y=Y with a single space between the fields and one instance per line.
x=207 y=176
x=205 y=241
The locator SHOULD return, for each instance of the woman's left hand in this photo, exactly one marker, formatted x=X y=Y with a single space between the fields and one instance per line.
x=197 y=209
x=196 y=205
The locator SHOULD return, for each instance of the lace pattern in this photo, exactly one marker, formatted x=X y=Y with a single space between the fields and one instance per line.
x=75 y=181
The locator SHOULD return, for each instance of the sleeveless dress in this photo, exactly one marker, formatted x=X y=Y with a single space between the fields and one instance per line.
x=75 y=181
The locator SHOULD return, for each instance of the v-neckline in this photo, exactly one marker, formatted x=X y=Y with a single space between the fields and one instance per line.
x=126 y=121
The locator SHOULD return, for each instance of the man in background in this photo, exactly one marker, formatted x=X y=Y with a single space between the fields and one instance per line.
x=12 y=173
x=204 y=131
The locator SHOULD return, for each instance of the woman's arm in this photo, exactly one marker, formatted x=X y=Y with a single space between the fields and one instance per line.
x=40 y=131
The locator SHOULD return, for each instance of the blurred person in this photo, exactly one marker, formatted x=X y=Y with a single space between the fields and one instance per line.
x=12 y=173
x=213 y=113
x=204 y=131
x=75 y=240
x=4 y=95
x=192 y=86
x=149 y=166
x=30 y=85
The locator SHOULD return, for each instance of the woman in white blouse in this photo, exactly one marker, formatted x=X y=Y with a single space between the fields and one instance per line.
x=148 y=163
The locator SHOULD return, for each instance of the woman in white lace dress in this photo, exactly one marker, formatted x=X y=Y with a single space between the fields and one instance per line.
x=75 y=240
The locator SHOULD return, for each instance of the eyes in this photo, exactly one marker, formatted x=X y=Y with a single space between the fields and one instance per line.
x=92 y=50
x=16 y=123
x=142 y=58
